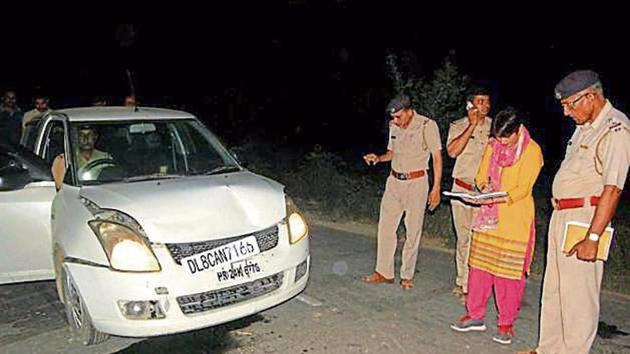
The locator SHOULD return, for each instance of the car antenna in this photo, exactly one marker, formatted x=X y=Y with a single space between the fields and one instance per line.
x=132 y=89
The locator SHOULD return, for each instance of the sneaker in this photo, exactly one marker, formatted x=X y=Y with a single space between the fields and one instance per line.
x=504 y=334
x=467 y=324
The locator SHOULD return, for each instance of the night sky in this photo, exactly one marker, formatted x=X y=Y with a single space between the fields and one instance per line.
x=294 y=70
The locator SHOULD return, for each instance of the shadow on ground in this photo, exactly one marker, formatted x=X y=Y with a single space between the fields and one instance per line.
x=217 y=339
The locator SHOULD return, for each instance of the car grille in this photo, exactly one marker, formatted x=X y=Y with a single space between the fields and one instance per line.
x=195 y=303
x=267 y=239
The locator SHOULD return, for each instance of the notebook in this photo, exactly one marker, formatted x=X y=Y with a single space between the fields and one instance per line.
x=475 y=196
x=576 y=231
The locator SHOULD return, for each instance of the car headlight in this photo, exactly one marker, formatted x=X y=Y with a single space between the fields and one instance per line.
x=123 y=241
x=296 y=223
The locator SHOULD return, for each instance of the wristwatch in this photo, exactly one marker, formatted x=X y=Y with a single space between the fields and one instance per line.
x=593 y=236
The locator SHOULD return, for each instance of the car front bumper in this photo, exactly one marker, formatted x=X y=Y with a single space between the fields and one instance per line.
x=101 y=289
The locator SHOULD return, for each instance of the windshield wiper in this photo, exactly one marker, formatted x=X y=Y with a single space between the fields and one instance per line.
x=152 y=176
x=91 y=183
x=102 y=181
x=222 y=169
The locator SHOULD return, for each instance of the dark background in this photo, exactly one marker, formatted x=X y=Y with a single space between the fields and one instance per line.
x=304 y=73
x=310 y=76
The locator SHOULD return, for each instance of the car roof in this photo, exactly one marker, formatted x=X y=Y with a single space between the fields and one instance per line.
x=122 y=113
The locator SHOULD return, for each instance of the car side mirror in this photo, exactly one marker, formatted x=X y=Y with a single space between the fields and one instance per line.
x=14 y=177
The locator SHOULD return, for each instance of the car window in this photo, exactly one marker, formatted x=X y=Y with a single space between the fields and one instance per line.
x=201 y=150
x=14 y=156
x=30 y=133
x=115 y=151
x=53 y=142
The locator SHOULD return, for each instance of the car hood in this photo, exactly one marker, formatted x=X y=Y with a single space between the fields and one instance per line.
x=195 y=208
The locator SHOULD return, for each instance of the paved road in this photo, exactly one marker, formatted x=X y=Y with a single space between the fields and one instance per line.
x=336 y=314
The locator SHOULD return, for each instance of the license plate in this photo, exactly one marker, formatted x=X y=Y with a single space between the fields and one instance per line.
x=236 y=271
x=218 y=257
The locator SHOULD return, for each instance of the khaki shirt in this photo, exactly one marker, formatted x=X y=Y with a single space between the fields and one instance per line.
x=413 y=146
x=30 y=115
x=96 y=155
x=597 y=155
x=467 y=163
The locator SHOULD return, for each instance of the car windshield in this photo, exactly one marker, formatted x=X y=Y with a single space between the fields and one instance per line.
x=131 y=151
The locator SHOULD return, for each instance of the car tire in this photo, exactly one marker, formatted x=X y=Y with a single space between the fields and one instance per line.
x=77 y=315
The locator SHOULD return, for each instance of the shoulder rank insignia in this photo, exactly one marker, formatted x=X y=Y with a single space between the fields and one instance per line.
x=614 y=126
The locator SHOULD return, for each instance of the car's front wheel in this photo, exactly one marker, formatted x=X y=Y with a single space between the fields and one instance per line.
x=77 y=315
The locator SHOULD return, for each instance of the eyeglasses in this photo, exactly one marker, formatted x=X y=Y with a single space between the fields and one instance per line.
x=572 y=104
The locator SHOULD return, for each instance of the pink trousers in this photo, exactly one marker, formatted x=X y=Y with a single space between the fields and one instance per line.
x=508 y=294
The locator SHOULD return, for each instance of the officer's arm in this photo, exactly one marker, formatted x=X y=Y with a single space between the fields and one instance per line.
x=605 y=209
x=457 y=145
x=436 y=157
x=386 y=156
x=58 y=170
x=615 y=171
x=481 y=179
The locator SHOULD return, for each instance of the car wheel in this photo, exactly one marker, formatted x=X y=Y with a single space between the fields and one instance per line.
x=77 y=315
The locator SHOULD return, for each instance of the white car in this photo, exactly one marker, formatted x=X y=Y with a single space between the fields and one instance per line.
x=155 y=228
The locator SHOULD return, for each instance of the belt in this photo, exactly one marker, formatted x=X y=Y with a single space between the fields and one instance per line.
x=465 y=185
x=572 y=203
x=408 y=175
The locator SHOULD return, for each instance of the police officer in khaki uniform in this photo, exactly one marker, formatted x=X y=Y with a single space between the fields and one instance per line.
x=586 y=188
x=467 y=139
x=413 y=138
x=41 y=107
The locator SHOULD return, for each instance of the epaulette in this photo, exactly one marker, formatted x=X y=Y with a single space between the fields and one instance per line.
x=615 y=125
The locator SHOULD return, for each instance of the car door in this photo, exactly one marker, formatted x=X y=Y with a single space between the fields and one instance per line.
x=26 y=194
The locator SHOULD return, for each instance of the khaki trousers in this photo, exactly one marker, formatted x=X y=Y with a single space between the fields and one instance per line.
x=463 y=216
x=570 y=296
x=408 y=197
